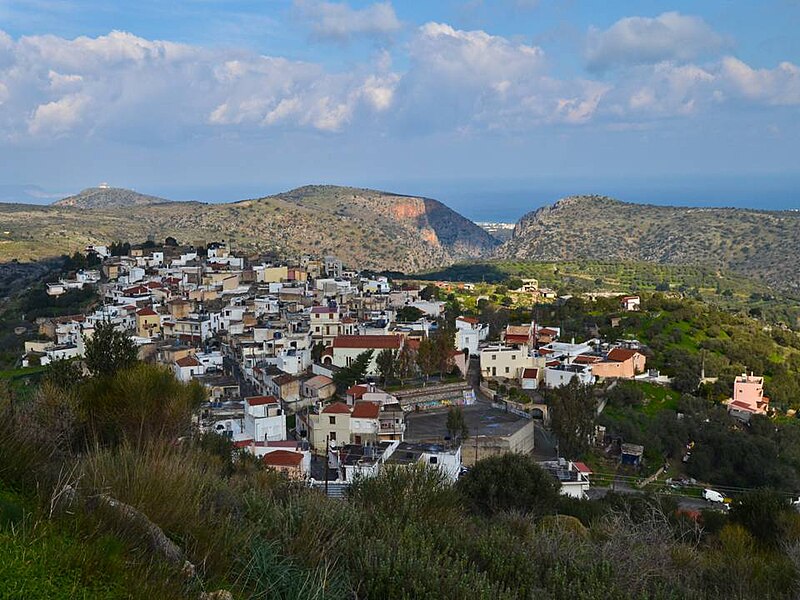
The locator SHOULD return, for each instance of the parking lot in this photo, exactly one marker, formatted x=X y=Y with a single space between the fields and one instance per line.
x=481 y=419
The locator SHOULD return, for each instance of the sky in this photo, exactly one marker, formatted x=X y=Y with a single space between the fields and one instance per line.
x=493 y=106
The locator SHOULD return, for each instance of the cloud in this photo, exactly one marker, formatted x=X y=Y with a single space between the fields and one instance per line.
x=471 y=80
x=779 y=86
x=59 y=116
x=641 y=40
x=670 y=89
x=338 y=21
x=126 y=88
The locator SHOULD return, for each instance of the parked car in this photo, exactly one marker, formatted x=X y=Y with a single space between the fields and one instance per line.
x=713 y=496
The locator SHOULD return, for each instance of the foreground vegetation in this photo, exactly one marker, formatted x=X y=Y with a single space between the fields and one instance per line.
x=107 y=492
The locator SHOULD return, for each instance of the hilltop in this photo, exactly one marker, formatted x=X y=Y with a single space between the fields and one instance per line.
x=367 y=228
x=108 y=197
x=763 y=245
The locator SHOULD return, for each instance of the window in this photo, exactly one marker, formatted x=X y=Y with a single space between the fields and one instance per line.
x=332 y=420
x=506 y=369
x=494 y=356
x=433 y=460
x=513 y=357
x=332 y=437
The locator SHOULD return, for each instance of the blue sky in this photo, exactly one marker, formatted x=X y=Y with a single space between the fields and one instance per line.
x=499 y=103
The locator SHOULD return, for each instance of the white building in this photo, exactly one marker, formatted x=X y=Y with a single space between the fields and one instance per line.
x=469 y=334
x=377 y=286
x=264 y=420
x=560 y=375
x=573 y=476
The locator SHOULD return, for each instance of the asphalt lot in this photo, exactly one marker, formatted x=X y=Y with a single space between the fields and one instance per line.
x=481 y=419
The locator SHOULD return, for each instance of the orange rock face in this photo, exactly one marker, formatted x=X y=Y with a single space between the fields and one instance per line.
x=408 y=209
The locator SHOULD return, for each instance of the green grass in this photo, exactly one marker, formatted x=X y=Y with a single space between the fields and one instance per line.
x=63 y=559
x=21 y=373
x=658 y=398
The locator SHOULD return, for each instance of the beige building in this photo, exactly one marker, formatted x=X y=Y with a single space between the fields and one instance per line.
x=500 y=362
x=331 y=424
x=272 y=274
x=148 y=323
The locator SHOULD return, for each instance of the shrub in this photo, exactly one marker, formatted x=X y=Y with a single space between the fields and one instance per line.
x=509 y=482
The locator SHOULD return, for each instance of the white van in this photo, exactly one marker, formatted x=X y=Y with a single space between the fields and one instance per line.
x=713 y=496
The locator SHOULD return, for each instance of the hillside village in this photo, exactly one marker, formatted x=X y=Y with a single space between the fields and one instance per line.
x=312 y=359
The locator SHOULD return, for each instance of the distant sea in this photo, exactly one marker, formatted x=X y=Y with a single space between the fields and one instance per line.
x=507 y=203
x=497 y=200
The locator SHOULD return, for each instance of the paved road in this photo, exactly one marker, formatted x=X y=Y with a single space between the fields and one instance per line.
x=684 y=502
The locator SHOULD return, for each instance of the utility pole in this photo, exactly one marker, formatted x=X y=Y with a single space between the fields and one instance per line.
x=476 y=446
x=327 y=450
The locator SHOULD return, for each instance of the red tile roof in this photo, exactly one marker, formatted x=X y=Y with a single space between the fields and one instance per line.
x=146 y=312
x=547 y=331
x=261 y=400
x=530 y=374
x=365 y=410
x=367 y=342
x=471 y=320
x=582 y=468
x=586 y=359
x=282 y=458
x=357 y=391
x=621 y=354
x=137 y=289
x=337 y=408
x=323 y=310
x=743 y=405
x=188 y=361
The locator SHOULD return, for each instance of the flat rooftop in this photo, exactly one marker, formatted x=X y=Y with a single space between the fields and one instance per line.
x=481 y=419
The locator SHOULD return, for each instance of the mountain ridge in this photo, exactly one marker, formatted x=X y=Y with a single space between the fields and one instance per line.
x=366 y=228
x=760 y=243
x=104 y=196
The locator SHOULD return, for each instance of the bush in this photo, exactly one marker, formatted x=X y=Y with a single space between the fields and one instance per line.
x=509 y=482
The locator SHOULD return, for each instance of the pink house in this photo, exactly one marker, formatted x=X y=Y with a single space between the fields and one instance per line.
x=748 y=397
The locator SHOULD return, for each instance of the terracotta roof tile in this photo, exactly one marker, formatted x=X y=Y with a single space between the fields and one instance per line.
x=282 y=458
x=366 y=410
x=621 y=354
x=261 y=400
x=188 y=361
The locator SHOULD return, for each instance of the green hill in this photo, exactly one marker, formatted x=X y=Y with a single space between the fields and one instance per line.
x=762 y=245
x=108 y=197
x=365 y=228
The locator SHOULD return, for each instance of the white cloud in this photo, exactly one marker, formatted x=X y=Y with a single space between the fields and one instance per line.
x=339 y=21
x=778 y=86
x=155 y=90
x=642 y=40
x=468 y=80
x=128 y=88
x=670 y=89
x=59 y=116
